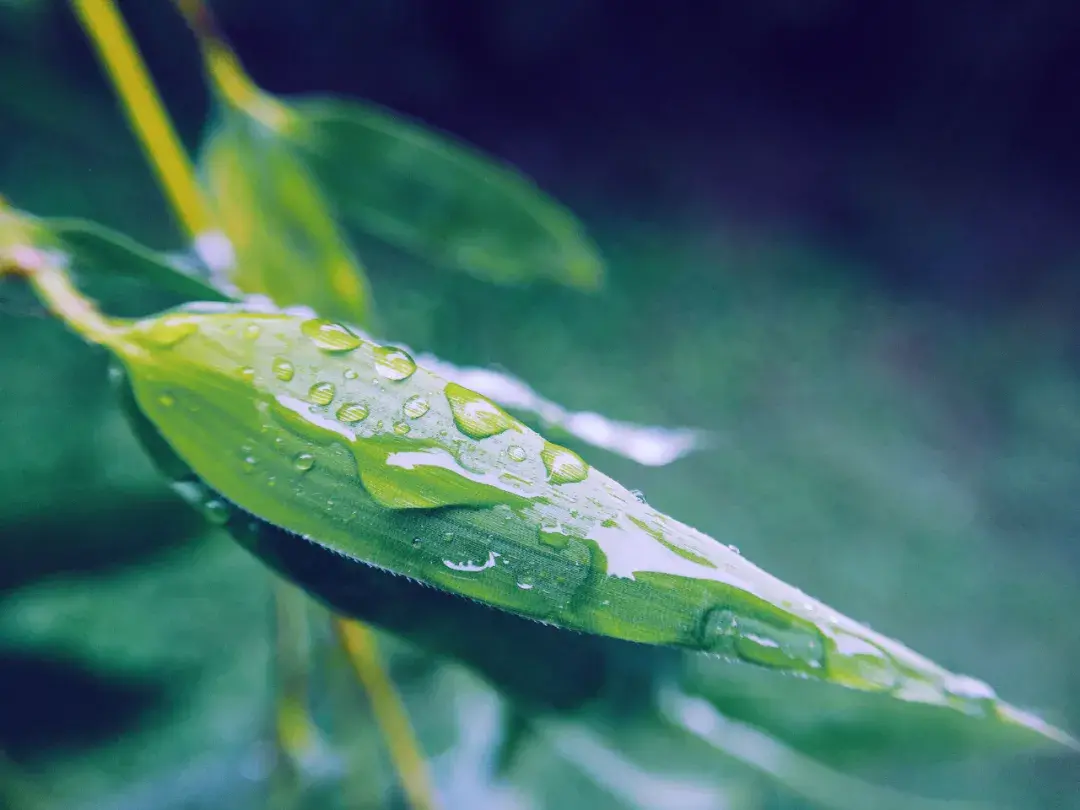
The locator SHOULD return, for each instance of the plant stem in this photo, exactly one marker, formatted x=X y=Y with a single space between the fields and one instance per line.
x=360 y=644
x=105 y=28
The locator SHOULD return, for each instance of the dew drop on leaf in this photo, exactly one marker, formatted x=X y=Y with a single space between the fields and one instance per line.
x=352 y=412
x=166 y=400
x=762 y=642
x=329 y=336
x=401 y=429
x=304 y=462
x=252 y=331
x=393 y=363
x=474 y=414
x=247 y=374
x=283 y=369
x=639 y=496
x=563 y=466
x=321 y=393
x=350 y=374
x=168 y=332
x=515 y=452
x=415 y=407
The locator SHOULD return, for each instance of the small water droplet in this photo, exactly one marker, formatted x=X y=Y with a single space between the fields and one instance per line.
x=350 y=374
x=415 y=407
x=639 y=496
x=352 y=412
x=321 y=393
x=563 y=466
x=283 y=369
x=329 y=336
x=417 y=542
x=304 y=462
x=525 y=586
x=169 y=331
x=515 y=452
x=247 y=374
x=735 y=548
x=216 y=511
x=471 y=567
x=401 y=429
x=250 y=463
x=166 y=400
x=393 y=363
x=252 y=331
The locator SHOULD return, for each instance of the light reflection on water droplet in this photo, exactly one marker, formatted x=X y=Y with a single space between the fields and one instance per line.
x=350 y=374
x=470 y=567
x=329 y=336
x=166 y=400
x=321 y=393
x=282 y=369
x=352 y=412
x=304 y=462
x=169 y=331
x=251 y=331
x=401 y=429
x=515 y=452
x=392 y=363
x=792 y=648
x=247 y=374
x=563 y=466
x=415 y=407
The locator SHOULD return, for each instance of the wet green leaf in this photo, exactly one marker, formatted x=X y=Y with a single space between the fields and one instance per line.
x=493 y=511
x=283 y=240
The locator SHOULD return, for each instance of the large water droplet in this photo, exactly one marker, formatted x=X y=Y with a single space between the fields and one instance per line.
x=515 y=452
x=283 y=369
x=763 y=642
x=216 y=511
x=304 y=462
x=415 y=407
x=321 y=393
x=350 y=374
x=169 y=331
x=563 y=466
x=475 y=415
x=352 y=412
x=393 y=363
x=329 y=336
x=859 y=663
x=401 y=429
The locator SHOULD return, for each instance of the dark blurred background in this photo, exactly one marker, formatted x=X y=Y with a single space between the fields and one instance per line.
x=840 y=234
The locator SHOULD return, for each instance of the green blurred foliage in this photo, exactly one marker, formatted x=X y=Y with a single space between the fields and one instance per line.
x=914 y=466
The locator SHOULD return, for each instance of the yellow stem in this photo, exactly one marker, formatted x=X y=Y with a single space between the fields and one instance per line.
x=360 y=644
x=230 y=80
x=105 y=27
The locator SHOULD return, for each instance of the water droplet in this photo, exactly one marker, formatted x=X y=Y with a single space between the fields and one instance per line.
x=166 y=400
x=417 y=542
x=352 y=412
x=763 y=642
x=250 y=463
x=393 y=363
x=639 y=496
x=415 y=407
x=401 y=429
x=857 y=662
x=247 y=374
x=321 y=393
x=304 y=462
x=350 y=374
x=471 y=567
x=216 y=511
x=563 y=466
x=515 y=452
x=475 y=415
x=252 y=331
x=329 y=336
x=169 y=331
x=526 y=586
x=735 y=548
x=283 y=369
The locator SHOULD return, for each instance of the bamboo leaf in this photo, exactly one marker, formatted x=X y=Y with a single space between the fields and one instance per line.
x=348 y=443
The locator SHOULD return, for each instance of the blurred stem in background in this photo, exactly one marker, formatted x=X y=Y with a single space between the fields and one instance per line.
x=296 y=733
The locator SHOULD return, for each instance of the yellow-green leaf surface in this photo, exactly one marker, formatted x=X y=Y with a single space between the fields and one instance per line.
x=348 y=443
x=437 y=197
x=286 y=241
